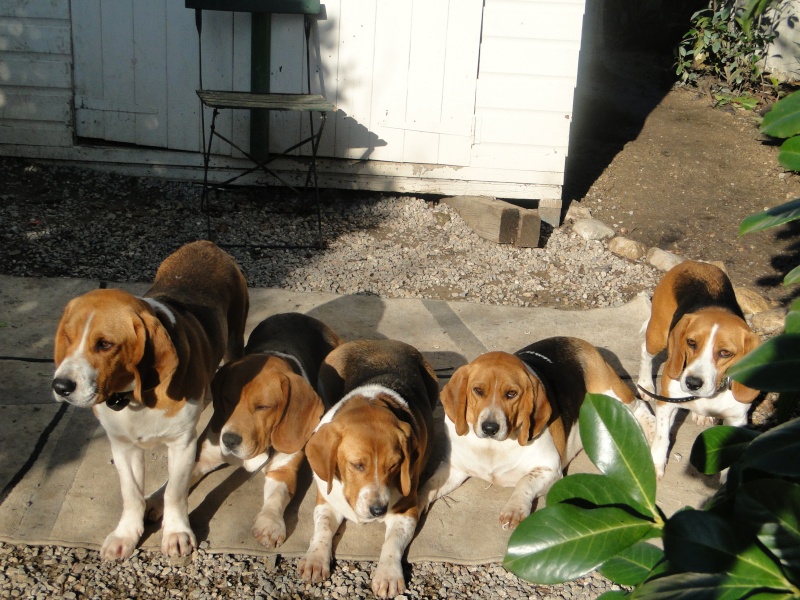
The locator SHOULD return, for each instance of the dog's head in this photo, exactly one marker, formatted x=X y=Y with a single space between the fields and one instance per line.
x=370 y=451
x=107 y=342
x=496 y=396
x=260 y=404
x=702 y=346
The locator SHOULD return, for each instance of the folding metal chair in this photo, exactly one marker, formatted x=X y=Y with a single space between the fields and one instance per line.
x=260 y=100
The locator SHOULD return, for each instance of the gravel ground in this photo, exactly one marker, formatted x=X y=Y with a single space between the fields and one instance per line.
x=67 y=222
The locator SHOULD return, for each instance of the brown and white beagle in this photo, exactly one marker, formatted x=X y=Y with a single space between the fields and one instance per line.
x=512 y=419
x=265 y=409
x=695 y=316
x=145 y=366
x=369 y=450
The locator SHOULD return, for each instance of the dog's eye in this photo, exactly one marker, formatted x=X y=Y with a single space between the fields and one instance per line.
x=725 y=353
x=103 y=345
x=477 y=391
x=691 y=343
x=358 y=466
x=511 y=394
x=263 y=407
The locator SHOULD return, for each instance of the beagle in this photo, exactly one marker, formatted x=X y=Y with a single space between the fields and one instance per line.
x=369 y=450
x=511 y=419
x=695 y=316
x=265 y=409
x=145 y=365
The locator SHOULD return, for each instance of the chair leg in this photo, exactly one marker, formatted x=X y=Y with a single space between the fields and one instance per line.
x=204 y=199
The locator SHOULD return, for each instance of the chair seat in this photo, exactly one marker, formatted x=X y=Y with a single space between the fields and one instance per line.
x=298 y=102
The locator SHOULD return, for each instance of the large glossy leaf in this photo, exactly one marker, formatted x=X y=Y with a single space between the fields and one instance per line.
x=776 y=451
x=613 y=595
x=789 y=154
x=792 y=276
x=615 y=443
x=783 y=120
x=704 y=586
x=717 y=448
x=777 y=215
x=632 y=565
x=772 y=506
x=563 y=542
x=792 y=323
x=595 y=489
x=759 y=568
x=772 y=367
x=696 y=540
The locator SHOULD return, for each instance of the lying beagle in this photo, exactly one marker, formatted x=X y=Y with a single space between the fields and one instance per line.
x=145 y=366
x=265 y=409
x=696 y=317
x=511 y=419
x=369 y=450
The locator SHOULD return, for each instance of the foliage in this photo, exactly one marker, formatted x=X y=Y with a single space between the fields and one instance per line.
x=744 y=544
x=729 y=42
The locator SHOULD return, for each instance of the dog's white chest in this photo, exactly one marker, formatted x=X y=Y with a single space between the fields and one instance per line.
x=148 y=427
x=501 y=463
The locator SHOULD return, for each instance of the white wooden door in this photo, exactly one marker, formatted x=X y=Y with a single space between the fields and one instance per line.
x=402 y=74
x=135 y=72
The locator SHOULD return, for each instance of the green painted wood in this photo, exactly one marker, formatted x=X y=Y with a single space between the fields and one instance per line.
x=292 y=7
x=260 y=33
x=249 y=100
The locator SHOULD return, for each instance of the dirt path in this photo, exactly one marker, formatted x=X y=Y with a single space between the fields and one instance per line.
x=687 y=180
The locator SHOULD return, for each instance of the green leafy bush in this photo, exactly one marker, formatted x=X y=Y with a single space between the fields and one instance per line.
x=728 y=41
x=744 y=544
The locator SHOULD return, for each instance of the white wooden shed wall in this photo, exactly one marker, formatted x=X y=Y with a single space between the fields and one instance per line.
x=434 y=96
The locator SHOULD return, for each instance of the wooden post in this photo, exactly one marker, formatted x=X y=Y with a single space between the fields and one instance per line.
x=260 y=30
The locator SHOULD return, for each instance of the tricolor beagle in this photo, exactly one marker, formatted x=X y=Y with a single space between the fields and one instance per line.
x=696 y=317
x=511 y=419
x=145 y=366
x=369 y=450
x=265 y=409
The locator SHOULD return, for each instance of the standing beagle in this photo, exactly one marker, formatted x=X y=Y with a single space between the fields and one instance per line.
x=695 y=316
x=145 y=366
x=511 y=419
x=369 y=450
x=265 y=409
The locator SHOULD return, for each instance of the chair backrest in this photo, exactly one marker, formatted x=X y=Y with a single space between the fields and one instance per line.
x=287 y=7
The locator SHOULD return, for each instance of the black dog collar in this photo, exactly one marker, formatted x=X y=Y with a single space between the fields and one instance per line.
x=724 y=385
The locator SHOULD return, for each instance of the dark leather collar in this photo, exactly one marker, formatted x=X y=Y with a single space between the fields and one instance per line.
x=725 y=384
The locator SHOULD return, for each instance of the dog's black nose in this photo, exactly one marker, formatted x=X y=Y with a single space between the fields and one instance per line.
x=490 y=427
x=231 y=440
x=694 y=383
x=63 y=386
x=378 y=510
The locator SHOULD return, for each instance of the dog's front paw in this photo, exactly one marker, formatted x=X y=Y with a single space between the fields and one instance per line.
x=269 y=528
x=703 y=421
x=512 y=514
x=388 y=580
x=118 y=547
x=178 y=543
x=314 y=567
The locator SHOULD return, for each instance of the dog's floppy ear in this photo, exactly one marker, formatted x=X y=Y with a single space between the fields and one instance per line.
x=534 y=411
x=454 y=399
x=218 y=382
x=742 y=393
x=676 y=349
x=158 y=358
x=60 y=346
x=322 y=451
x=301 y=413
x=408 y=443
